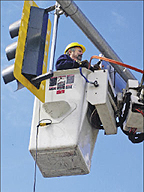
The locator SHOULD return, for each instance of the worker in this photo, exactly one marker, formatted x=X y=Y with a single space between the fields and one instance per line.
x=72 y=59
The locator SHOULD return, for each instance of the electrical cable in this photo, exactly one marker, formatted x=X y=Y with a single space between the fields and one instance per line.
x=34 y=186
x=115 y=62
x=95 y=83
x=37 y=130
x=44 y=124
x=140 y=111
x=36 y=149
x=127 y=101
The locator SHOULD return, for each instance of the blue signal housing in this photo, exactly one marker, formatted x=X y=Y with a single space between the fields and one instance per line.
x=35 y=44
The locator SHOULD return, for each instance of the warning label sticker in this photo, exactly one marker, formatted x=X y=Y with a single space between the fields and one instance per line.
x=61 y=83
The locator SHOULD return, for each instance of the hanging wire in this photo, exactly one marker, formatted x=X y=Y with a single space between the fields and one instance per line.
x=40 y=123
x=34 y=186
x=35 y=160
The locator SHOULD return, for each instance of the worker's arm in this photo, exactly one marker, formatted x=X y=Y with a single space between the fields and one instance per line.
x=65 y=62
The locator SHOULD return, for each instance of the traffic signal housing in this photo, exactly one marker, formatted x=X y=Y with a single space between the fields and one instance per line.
x=31 y=49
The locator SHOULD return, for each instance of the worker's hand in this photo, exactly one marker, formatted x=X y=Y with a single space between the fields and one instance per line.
x=84 y=63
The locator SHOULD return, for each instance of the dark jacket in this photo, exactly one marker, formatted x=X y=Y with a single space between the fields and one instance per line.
x=66 y=62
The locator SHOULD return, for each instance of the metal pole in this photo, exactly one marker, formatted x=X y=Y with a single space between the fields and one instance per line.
x=54 y=38
x=72 y=10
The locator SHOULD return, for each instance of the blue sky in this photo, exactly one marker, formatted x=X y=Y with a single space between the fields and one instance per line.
x=117 y=164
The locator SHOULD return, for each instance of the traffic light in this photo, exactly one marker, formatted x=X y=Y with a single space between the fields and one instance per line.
x=31 y=49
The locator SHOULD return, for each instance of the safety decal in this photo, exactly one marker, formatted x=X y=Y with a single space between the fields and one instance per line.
x=61 y=83
x=52 y=83
x=70 y=79
x=69 y=86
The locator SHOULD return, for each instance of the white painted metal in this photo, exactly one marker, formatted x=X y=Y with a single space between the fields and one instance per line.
x=142 y=94
x=54 y=38
x=98 y=96
x=134 y=119
x=66 y=146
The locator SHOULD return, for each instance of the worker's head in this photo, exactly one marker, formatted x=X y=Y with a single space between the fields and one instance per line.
x=75 y=51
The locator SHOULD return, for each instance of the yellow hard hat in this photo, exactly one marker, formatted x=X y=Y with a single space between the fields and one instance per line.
x=74 y=44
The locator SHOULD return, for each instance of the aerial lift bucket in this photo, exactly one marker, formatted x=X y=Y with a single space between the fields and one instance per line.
x=64 y=147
